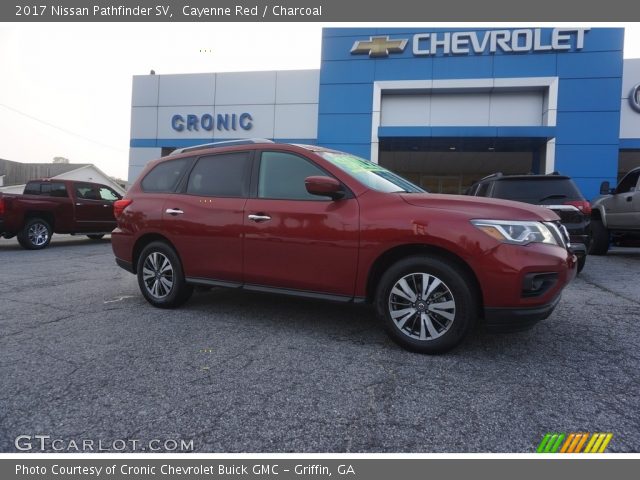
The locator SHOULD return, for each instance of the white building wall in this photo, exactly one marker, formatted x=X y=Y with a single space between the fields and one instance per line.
x=283 y=105
x=138 y=158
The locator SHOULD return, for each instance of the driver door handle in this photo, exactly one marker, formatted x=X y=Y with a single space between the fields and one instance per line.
x=259 y=218
x=174 y=211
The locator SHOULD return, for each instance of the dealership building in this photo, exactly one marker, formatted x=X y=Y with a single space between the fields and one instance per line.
x=442 y=107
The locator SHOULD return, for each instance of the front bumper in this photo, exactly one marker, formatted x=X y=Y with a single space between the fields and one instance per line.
x=507 y=319
x=578 y=249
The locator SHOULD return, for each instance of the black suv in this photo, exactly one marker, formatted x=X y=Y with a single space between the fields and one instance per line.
x=553 y=191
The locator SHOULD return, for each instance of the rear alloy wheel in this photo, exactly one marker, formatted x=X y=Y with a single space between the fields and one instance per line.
x=160 y=276
x=600 y=238
x=427 y=305
x=35 y=235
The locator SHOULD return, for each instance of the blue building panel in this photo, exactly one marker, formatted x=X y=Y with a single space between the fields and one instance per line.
x=588 y=128
x=403 y=69
x=346 y=98
x=525 y=65
x=344 y=128
x=463 y=67
x=341 y=72
x=589 y=94
x=588 y=165
x=590 y=65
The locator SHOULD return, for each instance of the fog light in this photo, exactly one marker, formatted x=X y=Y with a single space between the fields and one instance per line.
x=536 y=284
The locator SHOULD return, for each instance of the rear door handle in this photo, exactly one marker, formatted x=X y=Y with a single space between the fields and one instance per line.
x=259 y=218
x=174 y=211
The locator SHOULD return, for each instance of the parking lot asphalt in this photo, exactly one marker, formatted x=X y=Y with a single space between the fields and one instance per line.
x=83 y=356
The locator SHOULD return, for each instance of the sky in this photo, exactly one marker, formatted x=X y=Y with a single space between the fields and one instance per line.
x=65 y=89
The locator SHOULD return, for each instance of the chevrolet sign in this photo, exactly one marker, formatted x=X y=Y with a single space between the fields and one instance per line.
x=465 y=43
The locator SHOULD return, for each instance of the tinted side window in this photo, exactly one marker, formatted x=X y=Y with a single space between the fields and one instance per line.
x=482 y=189
x=282 y=176
x=628 y=183
x=32 y=188
x=223 y=175
x=165 y=176
x=58 y=190
x=86 y=192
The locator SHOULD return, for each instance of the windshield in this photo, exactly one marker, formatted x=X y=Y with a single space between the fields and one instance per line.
x=370 y=174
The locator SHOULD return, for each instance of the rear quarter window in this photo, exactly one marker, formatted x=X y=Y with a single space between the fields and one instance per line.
x=165 y=176
x=222 y=175
x=32 y=188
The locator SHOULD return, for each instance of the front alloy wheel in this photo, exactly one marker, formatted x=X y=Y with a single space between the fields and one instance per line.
x=160 y=276
x=427 y=304
x=422 y=306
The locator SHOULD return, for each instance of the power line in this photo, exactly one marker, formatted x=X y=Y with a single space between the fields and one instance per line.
x=69 y=132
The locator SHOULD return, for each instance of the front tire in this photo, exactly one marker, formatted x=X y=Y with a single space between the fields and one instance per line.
x=35 y=235
x=600 y=238
x=426 y=304
x=161 y=278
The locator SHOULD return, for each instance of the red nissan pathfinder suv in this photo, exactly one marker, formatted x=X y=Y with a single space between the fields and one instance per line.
x=308 y=221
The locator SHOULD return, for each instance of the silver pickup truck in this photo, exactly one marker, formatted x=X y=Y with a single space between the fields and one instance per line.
x=615 y=217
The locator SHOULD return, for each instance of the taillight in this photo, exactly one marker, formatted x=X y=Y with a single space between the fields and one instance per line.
x=120 y=205
x=1 y=206
x=582 y=205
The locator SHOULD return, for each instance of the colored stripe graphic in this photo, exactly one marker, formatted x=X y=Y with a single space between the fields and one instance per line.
x=583 y=439
x=605 y=443
x=574 y=443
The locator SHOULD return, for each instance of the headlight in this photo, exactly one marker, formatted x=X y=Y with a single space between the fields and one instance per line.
x=516 y=232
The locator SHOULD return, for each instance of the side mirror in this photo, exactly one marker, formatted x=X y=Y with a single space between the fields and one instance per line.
x=325 y=187
x=605 y=188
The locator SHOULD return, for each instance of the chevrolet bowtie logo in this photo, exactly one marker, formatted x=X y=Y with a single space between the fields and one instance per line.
x=379 y=46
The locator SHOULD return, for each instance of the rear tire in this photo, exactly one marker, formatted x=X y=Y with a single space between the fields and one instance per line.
x=161 y=278
x=581 y=262
x=96 y=237
x=35 y=235
x=600 y=238
x=426 y=304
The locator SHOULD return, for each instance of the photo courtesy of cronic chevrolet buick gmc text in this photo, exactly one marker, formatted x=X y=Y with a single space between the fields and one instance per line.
x=305 y=220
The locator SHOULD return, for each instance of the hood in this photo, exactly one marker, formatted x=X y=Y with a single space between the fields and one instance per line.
x=481 y=207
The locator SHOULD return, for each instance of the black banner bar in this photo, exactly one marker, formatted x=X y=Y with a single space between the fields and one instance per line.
x=315 y=11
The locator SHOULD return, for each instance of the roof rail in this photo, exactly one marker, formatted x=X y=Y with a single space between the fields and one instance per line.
x=497 y=174
x=225 y=143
